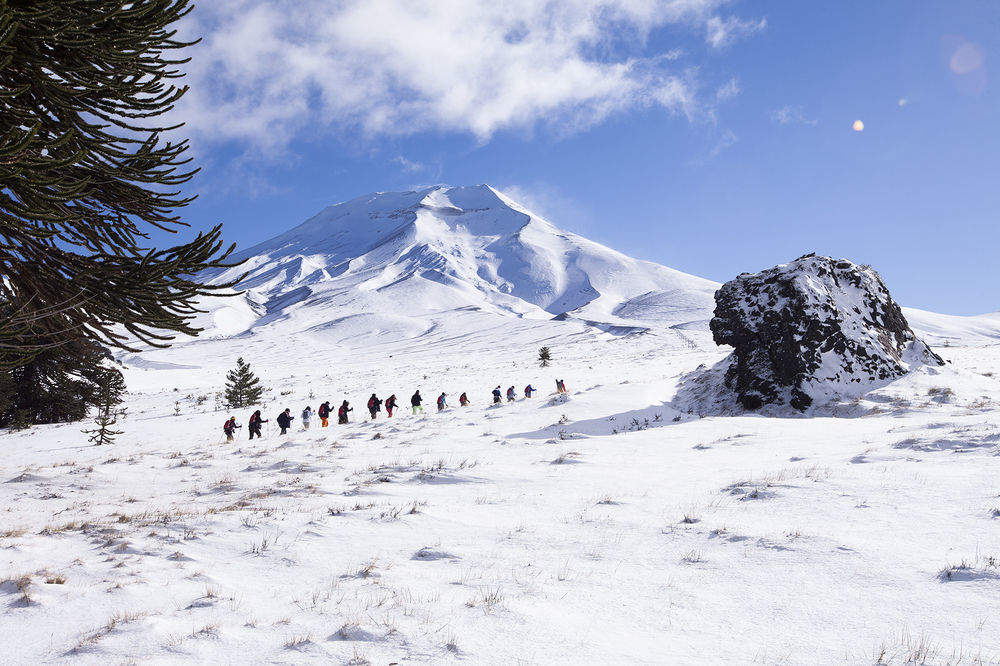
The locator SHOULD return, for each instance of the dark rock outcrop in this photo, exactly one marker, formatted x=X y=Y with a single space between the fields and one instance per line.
x=810 y=329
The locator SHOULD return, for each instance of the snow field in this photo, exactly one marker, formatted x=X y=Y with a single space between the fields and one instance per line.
x=590 y=529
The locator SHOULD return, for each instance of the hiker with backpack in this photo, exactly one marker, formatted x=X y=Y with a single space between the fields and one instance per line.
x=324 y=414
x=390 y=404
x=374 y=405
x=254 y=424
x=342 y=412
x=511 y=394
x=441 y=402
x=307 y=415
x=284 y=420
x=230 y=428
x=463 y=400
x=528 y=390
x=417 y=403
x=497 y=395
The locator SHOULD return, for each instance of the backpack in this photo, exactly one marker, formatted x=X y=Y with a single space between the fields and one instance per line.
x=254 y=418
x=226 y=427
x=440 y=400
x=323 y=411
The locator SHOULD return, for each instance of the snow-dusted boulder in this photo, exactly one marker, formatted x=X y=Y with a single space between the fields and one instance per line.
x=812 y=329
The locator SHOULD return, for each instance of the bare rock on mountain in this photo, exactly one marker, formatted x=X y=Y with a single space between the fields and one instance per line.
x=810 y=328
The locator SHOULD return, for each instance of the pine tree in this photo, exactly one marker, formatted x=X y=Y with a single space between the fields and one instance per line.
x=85 y=174
x=544 y=356
x=56 y=385
x=110 y=391
x=242 y=386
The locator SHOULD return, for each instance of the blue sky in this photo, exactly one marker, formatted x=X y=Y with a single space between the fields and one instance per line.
x=712 y=137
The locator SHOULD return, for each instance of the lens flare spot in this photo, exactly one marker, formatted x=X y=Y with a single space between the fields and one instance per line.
x=903 y=101
x=858 y=126
x=966 y=59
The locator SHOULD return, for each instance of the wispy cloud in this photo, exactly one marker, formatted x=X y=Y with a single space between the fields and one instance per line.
x=792 y=115
x=725 y=140
x=729 y=90
x=407 y=165
x=721 y=32
x=267 y=69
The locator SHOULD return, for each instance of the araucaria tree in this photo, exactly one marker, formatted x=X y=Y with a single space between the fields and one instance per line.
x=59 y=384
x=544 y=356
x=110 y=391
x=242 y=386
x=85 y=174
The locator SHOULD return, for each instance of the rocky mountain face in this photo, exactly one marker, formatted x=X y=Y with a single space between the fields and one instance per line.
x=809 y=328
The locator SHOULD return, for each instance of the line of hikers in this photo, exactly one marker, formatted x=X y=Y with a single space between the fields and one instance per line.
x=285 y=418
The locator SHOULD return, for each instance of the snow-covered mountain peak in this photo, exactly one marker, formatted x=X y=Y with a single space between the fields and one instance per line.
x=444 y=248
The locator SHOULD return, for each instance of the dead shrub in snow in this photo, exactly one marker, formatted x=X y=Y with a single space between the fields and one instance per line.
x=20 y=583
x=297 y=642
x=978 y=567
x=693 y=557
x=906 y=649
x=490 y=599
x=115 y=620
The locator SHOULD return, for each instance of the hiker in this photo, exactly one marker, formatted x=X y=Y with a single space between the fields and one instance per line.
x=442 y=403
x=560 y=386
x=463 y=400
x=390 y=404
x=255 y=422
x=284 y=420
x=416 y=402
x=374 y=405
x=497 y=396
x=511 y=394
x=324 y=414
x=307 y=415
x=230 y=428
x=342 y=412
x=528 y=390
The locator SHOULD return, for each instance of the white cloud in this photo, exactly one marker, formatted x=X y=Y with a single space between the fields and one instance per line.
x=268 y=69
x=407 y=165
x=728 y=91
x=723 y=31
x=792 y=115
x=726 y=139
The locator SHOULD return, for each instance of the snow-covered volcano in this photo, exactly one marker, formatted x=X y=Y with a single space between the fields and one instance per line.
x=394 y=258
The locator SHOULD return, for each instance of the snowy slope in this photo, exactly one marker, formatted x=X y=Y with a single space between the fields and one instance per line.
x=602 y=527
x=941 y=329
x=606 y=526
x=441 y=249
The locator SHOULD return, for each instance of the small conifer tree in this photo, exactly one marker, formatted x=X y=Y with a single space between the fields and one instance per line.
x=544 y=356
x=242 y=386
x=110 y=390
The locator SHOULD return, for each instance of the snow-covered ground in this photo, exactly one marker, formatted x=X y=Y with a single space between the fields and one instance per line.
x=607 y=527
x=614 y=524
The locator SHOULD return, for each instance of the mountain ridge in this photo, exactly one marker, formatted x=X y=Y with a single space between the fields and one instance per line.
x=443 y=248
